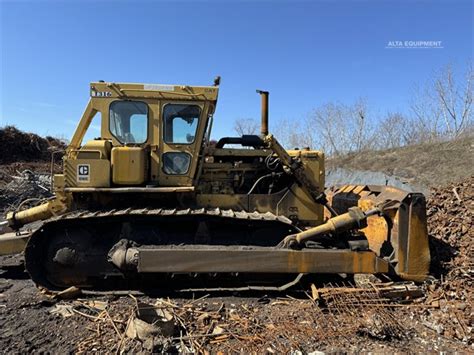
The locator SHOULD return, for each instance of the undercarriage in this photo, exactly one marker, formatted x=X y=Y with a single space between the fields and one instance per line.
x=128 y=248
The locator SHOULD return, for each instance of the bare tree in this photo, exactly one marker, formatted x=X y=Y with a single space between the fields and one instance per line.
x=440 y=109
x=362 y=126
x=325 y=121
x=455 y=100
x=396 y=130
x=293 y=133
x=427 y=117
x=443 y=107
x=244 y=126
x=341 y=128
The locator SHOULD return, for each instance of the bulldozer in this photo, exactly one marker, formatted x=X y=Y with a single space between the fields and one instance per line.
x=154 y=198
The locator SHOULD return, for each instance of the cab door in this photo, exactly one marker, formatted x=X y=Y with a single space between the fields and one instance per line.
x=183 y=126
x=129 y=125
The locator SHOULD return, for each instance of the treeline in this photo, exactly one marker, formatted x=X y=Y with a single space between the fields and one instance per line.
x=440 y=110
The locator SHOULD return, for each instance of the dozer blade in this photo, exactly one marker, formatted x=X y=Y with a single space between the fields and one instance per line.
x=400 y=235
x=13 y=243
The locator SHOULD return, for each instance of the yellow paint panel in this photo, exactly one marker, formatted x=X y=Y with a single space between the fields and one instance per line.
x=128 y=165
x=87 y=173
x=11 y=243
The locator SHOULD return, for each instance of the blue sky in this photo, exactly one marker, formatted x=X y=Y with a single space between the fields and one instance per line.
x=305 y=53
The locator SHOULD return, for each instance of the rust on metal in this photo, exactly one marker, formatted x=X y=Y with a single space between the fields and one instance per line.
x=267 y=260
x=264 y=127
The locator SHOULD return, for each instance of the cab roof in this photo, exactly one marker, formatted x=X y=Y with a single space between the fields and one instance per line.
x=158 y=91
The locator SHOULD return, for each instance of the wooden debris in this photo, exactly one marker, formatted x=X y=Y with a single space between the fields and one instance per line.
x=456 y=194
x=69 y=293
x=314 y=292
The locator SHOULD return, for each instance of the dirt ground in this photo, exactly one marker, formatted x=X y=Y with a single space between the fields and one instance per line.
x=287 y=322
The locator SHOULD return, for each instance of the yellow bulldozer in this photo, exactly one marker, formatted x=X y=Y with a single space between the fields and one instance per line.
x=154 y=198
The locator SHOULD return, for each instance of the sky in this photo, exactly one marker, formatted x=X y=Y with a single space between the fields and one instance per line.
x=306 y=53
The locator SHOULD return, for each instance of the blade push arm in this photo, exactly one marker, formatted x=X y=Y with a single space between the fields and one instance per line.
x=355 y=218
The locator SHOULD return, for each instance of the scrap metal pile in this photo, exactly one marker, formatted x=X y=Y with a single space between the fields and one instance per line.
x=25 y=189
x=329 y=316
x=451 y=227
x=25 y=164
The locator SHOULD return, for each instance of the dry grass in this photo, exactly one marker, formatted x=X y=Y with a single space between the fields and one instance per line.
x=430 y=164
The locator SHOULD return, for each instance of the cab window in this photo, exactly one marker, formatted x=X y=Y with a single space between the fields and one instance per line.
x=180 y=123
x=128 y=121
x=176 y=163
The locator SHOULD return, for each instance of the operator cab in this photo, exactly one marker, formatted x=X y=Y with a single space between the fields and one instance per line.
x=151 y=135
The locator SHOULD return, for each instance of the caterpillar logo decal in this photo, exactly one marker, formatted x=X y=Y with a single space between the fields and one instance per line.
x=83 y=173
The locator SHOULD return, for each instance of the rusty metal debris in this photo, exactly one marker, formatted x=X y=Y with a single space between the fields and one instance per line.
x=451 y=227
x=25 y=189
x=207 y=323
x=150 y=324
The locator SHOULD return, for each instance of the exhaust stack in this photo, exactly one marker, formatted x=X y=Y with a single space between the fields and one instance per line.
x=264 y=126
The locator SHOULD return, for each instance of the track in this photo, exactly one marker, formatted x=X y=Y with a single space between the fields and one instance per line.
x=72 y=250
